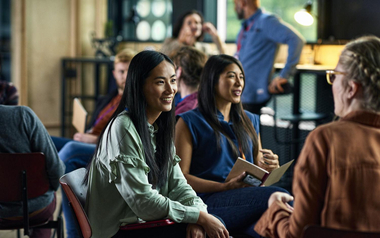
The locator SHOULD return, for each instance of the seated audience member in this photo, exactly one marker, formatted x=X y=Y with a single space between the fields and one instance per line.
x=76 y=154
x=336 y=176
x=105 y=106
x=8 y=93
x=23 y=132
x=189 y=30
x=189 y=62
x=134 y=173
x=211 y=137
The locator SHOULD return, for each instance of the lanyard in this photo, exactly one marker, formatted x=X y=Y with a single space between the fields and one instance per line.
x=240 y=37
x=241 y=152
x=104 y=114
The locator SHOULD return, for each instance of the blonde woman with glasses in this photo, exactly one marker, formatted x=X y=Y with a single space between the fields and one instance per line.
x=336 y=179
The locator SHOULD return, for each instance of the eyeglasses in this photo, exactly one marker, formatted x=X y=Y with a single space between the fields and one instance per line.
x=331 y=75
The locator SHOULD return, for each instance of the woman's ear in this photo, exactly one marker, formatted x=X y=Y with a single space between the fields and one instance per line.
x=353 y=89
x=178 y=72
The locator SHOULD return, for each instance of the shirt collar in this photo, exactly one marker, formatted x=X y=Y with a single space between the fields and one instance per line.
x=152 y=128
x=251 y=18
x=221 y=118
x=363 y=117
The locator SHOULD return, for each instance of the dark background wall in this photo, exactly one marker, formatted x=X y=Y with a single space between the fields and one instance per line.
x=348 y=19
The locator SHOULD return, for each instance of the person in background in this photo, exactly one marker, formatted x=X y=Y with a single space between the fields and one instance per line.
x=105 y=105
x=78 y=152
x=210 y=138
x=336 y=176
x=134 y=173
x=22 y=132
x=189 y=30
x=257 y=44
x=189 y=62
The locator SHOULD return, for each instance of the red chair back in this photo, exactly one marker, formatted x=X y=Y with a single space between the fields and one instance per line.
x=11 y=167
x=23 y=176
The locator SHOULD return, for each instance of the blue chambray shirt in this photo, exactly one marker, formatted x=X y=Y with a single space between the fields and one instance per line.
x=259 y=45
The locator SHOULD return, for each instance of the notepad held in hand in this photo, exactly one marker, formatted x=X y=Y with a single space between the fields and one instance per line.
x=267 y=178
x=79 y=116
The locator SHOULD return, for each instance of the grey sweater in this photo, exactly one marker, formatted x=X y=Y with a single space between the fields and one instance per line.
x=22 y=132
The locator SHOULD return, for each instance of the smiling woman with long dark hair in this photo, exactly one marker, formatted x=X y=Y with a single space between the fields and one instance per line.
x=134 y=174
x=210 y=138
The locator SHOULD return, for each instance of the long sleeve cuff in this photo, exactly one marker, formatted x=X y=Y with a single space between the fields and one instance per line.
x=191 y=215
x=274 y=222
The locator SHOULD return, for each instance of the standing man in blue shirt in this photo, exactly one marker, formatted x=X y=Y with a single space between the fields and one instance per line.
x=257 y=45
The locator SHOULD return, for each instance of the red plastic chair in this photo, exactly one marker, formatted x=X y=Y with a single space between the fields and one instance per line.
x=23 y=176
x=76 y=191
x=315 y=231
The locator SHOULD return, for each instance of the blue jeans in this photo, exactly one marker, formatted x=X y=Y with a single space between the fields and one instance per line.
x=241 y=208
x=59 y=142
x=75 y=155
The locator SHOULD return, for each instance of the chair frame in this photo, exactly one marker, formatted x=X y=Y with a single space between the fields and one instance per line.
x=76 y=192
x=19 y=167
x=73 y=187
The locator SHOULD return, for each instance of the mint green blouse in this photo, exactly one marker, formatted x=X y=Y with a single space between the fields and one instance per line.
x=119 y=192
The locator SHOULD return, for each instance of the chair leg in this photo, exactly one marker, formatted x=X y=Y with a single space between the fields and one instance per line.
x=60 y=227
x=18 y=233
x=59 y=218
x=25 y=203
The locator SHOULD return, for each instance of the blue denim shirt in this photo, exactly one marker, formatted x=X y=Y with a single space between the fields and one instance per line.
x=207 y=161
x=259 y=37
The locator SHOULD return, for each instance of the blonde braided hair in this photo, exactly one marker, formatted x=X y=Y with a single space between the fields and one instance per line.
x=361 y=61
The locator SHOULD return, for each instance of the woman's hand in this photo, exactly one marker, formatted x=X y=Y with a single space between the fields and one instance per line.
x=282 y=197
x=209 y=28
x=269 y=161
x=213 y=227
x=195 y=231
x=236 y=182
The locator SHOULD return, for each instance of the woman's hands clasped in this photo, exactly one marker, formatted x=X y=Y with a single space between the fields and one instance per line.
x=213 y=227
x=195 y=231
x=269 y=160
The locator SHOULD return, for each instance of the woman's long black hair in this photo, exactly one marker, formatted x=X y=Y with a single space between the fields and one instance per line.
x=133 y=98
x=179 y=23
x=241 y=124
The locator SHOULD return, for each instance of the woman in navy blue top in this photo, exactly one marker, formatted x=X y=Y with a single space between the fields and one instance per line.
x=211 y=137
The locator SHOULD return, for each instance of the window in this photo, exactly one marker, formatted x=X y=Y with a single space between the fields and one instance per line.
x=5 y=40
x=141 y=20
x=283 y=9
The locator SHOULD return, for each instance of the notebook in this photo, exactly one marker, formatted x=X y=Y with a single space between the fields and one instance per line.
x=264 y=176
x=79 y=116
